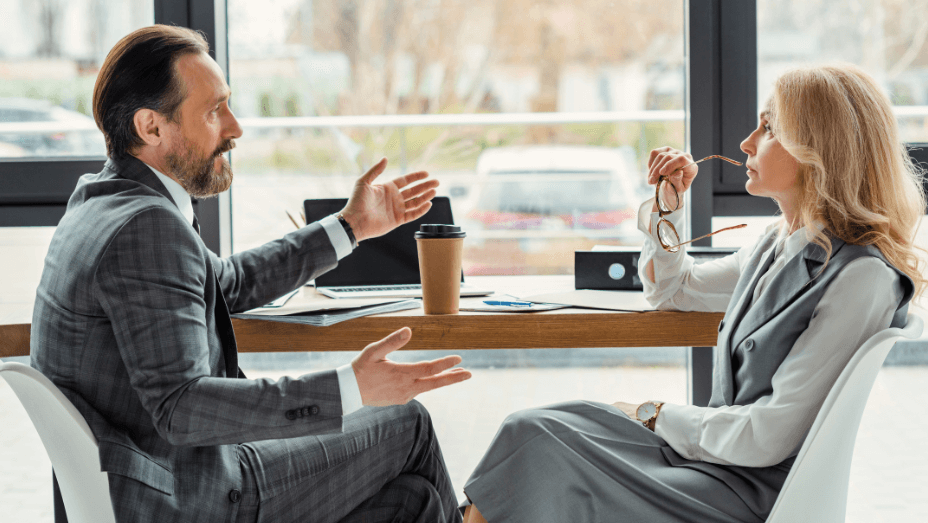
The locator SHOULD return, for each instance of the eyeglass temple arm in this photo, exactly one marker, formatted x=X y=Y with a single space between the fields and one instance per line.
x=719 y=156
x=741 y=226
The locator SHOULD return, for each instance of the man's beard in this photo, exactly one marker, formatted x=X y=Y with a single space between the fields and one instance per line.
x=196 y=174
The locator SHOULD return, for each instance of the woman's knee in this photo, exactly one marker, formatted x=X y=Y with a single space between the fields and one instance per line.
x=526 y=423
x=532 y=422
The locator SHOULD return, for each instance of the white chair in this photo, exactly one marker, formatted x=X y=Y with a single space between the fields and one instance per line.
x=816 y=487
x=70 y=444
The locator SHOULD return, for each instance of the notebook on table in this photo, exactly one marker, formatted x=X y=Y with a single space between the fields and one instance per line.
x=382 y=267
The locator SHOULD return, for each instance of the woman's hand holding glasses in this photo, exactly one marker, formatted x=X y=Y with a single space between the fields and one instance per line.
x=680 y=170
x=673 y=172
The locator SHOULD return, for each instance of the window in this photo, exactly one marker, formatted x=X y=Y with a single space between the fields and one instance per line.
x=50 y=52
x=536 y=117
x=887 y=38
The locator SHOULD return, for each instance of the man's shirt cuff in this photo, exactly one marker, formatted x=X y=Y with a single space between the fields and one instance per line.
x=348 y=385
x=338 y=237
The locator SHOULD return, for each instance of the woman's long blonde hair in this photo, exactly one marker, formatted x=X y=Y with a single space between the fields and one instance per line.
x=855 y=174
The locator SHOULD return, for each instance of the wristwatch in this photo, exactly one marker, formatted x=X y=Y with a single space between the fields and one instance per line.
x=348 y=230
x=647 y=413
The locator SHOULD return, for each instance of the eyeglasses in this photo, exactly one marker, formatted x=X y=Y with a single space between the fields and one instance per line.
x=666 y=232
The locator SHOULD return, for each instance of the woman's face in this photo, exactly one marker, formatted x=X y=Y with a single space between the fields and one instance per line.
x=772 y=172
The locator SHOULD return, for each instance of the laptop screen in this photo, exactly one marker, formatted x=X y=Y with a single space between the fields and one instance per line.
x=391 y=259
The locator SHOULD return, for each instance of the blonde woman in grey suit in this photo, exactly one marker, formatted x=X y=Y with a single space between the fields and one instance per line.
x=838 y=267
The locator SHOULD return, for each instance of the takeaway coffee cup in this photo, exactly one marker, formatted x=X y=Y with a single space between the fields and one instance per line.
x=440 y=248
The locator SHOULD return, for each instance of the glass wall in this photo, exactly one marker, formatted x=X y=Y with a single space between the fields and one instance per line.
x=50 y=52
x=887 y=38
x=535 y=116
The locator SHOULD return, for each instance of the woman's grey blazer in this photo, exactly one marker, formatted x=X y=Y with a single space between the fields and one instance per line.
x=132 y=323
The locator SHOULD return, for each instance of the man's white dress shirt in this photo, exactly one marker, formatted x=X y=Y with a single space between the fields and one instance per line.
x=347 y=381
x=860 y=302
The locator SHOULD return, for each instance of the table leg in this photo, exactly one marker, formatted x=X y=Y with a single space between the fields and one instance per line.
x=700 y=375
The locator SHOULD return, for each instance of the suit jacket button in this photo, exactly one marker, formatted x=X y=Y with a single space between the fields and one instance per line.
x=291 y=415
x=304 y=411
x=748 y=344
x=314 y=410
x=235 y=495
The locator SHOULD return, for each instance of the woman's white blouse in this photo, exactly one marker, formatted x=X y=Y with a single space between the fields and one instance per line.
x=860 y=302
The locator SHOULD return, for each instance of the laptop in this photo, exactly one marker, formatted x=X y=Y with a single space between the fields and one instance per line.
x=384 y=267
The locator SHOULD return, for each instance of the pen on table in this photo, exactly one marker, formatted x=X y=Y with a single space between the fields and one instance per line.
x=291 y=219
x=509 y=303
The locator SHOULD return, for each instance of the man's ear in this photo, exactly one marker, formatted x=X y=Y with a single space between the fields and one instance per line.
x=149 y=126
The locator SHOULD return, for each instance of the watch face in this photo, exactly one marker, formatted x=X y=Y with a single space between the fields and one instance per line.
x=646 y=410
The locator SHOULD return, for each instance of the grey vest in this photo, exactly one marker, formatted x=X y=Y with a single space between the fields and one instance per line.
x=754 y=341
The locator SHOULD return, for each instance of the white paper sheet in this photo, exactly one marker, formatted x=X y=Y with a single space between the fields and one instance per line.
x=629 y=301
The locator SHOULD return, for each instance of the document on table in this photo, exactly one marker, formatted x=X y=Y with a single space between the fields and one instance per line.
x=322 y=313
x=627 y=301
x=316 y=305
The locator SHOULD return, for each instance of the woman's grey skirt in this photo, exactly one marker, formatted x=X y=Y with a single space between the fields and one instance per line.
x=586 y=462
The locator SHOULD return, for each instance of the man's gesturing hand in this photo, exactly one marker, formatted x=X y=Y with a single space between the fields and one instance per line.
x=374 y=210
x=383 y=382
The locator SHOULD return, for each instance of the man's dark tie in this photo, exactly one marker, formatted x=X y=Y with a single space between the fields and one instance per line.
x=196 y=224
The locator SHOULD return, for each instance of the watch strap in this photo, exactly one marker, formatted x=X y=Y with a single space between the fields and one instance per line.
x=650 y=422
x=348 y=230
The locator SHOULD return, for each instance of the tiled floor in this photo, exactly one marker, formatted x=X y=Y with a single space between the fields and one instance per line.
x=889 y=478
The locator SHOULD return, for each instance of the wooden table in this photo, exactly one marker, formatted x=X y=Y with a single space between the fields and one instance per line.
x=565 y=328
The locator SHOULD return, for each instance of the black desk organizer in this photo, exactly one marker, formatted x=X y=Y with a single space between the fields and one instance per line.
x=617 y=270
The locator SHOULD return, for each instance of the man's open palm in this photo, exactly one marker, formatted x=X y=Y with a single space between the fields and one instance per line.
x=383 y=382
x=374 y=210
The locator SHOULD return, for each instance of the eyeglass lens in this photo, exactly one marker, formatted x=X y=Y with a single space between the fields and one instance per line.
x=668 y=235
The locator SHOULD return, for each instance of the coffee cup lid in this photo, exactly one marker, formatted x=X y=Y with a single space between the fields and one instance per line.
x=439 y=231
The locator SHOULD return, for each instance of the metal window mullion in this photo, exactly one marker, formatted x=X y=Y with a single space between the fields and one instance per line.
x=703 y=90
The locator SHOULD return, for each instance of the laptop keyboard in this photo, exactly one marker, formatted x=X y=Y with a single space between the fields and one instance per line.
x=411 y=287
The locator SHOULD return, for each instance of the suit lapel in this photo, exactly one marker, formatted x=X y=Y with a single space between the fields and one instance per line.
x=134 y=169
x=734 y=317
x=784 y=287
x=722 y=375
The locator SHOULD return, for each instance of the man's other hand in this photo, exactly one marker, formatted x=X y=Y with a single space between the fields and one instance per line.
x=383 y=382
x=374 y=210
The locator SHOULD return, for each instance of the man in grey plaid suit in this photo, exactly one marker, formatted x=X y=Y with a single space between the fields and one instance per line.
x=132 y=323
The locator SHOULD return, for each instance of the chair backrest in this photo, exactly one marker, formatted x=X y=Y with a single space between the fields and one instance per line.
x=816 y=487
x=70 y=444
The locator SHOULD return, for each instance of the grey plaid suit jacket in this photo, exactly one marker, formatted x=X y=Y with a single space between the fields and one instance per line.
x=132 y=323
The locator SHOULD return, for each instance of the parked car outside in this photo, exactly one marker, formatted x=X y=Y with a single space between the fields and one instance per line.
x=532 y=206
x=78 y=135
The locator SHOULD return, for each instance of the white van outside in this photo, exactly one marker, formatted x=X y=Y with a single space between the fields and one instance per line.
x=555 y=191
x=531 y=207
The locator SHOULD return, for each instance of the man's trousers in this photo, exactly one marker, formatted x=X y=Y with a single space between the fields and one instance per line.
x=385 y=466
